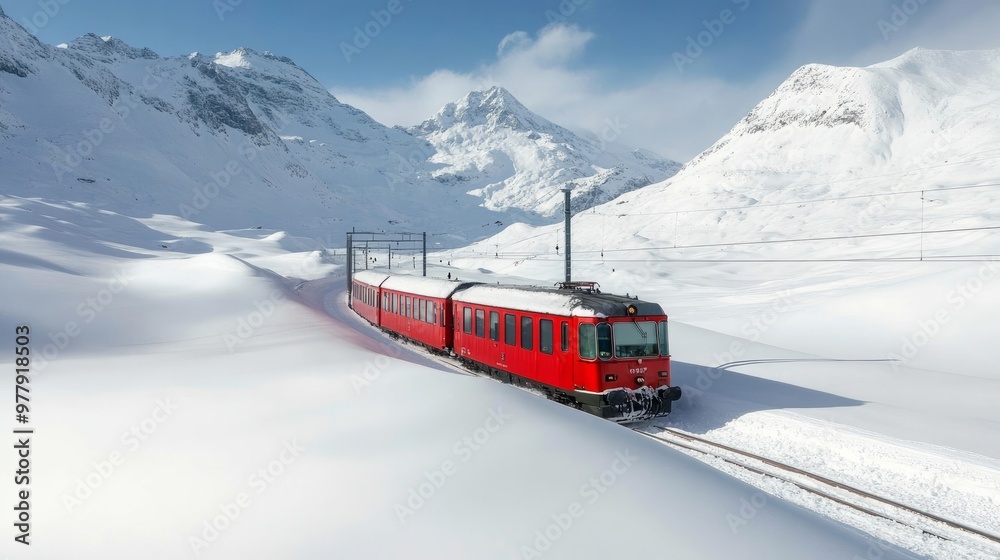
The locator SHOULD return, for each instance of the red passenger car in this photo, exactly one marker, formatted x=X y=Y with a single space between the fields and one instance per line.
x=365 y=294
x=417 y=308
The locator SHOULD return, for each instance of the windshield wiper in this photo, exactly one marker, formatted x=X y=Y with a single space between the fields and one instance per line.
x=642 y=333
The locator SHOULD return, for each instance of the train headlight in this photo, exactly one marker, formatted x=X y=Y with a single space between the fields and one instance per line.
x=632 y=310
x=664 y=373
x=611 y=377
x=640 y=380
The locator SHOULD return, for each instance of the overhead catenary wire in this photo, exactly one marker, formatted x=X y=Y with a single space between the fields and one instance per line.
x=674 y=246
x=795 y=202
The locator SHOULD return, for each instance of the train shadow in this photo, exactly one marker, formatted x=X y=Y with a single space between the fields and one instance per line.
x=714 y=396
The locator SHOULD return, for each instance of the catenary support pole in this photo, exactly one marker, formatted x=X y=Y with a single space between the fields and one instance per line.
x=569 y=219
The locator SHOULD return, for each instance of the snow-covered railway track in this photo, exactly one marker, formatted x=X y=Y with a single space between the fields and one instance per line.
x=841 y=493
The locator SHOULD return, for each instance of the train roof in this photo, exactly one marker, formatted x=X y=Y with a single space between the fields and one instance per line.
x=417 y=285
x=370 y=277
x=424 y=286
x=555 y=301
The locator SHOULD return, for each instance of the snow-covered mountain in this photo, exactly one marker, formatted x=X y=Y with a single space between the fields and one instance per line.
x=245 y=139
x=832 y=151
x=233 y=140
x=494 y=147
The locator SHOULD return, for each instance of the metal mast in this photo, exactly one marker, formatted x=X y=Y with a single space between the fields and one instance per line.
x=569 y=268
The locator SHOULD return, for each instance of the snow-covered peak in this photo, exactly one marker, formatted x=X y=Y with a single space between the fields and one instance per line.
x=2 y=14
x=828 y=117
x=240 y=58
x=496 y=148
x=495 y=108
x=109 y=48
x=246 y=58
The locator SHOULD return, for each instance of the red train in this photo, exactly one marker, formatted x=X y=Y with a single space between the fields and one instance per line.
x=605 y=354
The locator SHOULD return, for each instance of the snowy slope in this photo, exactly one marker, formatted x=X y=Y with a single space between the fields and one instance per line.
x=491 y=145
x=207 y=407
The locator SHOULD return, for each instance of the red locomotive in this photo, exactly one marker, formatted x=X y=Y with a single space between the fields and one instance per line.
x=605 y=354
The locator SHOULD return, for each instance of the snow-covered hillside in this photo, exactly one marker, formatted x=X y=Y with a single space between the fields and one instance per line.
x=242 y=139
x=833 y=151
x=239 y=139
x=199 y=405
x=494 y=147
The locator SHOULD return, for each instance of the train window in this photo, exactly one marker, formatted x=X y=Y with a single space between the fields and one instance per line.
x=409 y=307
x=433 y=317
x=467 y=320
x=588 y=341
x=635 y=339
x=442 y=316
x=395 y=303
x=422 y=310
x=664 y=341
x=604 y=345
x=494 y=325
x=527 y=331
x=509 y=329
x=428 y=306
x=480 y=323
x=545 y=336
x=564 y=337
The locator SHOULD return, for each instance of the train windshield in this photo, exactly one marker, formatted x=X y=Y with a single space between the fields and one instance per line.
x=635 y=339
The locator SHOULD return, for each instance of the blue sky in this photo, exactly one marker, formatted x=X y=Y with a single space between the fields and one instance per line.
x=671 y=76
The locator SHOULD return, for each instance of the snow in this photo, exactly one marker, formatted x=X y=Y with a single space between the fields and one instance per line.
x=207 y=332
x=534 y=300
x=235 y=59
x=265 y=399
x=430 y=287
x=370 y=277
x=493 y=147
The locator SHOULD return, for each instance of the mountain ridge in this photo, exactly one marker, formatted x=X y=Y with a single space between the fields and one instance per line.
x=495 y=147
x=833 y=152
x=184 y=117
